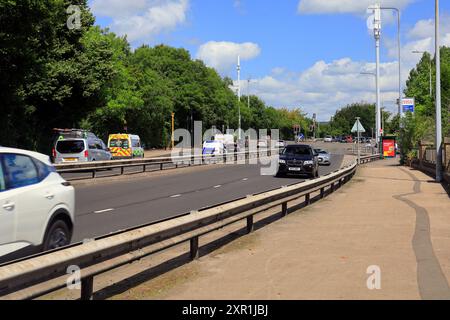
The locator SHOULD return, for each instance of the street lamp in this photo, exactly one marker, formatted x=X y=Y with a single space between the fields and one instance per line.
x=375 y=76
x=400 y=111
x=438 y=98
x=377 y=34
x=431 y=88
x=239 y=95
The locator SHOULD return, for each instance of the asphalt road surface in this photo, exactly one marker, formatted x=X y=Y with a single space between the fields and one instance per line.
x=103 y=208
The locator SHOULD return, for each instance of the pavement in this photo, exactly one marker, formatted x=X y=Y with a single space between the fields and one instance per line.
x=388 y=227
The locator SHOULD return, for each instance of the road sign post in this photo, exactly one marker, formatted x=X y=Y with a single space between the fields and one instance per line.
x=358 y=128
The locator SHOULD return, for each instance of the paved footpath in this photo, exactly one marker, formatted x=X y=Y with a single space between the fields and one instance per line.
x=389 y=216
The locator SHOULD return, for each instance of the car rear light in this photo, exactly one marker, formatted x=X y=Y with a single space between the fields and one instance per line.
x=66 y=184
x=86 y=154
x=53 y=152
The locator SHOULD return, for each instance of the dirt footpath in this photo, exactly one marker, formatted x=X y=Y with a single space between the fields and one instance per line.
x=389 y=217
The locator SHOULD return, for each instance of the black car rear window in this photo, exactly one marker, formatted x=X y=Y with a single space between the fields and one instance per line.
x=297 y=151
x=70 y=146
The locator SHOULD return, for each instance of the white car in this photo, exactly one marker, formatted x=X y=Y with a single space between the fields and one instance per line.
x=36 y=205
x=328 y=139
x=280 y=144
x=213 y=148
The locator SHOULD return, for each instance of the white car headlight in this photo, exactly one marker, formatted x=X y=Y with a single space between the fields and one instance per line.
x=308 y=162
x=282 y=161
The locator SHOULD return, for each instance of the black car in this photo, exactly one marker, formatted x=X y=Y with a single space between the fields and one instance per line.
x=298 y=159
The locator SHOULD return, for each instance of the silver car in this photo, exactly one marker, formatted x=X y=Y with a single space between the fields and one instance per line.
x=80 y=150
x=324 y=157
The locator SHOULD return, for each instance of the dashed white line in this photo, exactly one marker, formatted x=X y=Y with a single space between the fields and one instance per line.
x=176 y=196
x=105 y=210
x=218 y=186
x=245 y=179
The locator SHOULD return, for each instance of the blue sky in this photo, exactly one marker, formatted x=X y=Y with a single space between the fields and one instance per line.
x=299 y=53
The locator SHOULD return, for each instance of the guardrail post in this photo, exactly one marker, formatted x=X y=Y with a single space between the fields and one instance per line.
x=284 y=210
x=144 y=168
x=308 y=199
x=160 y=166
x=87 y=288
x=332 y=187
x=322 y=193
x=121 y=170
x=249 y=224
x=194 y=248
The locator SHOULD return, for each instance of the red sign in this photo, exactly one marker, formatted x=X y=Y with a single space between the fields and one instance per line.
x=389 y=148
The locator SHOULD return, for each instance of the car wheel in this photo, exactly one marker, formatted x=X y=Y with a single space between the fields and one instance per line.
x=58 y=235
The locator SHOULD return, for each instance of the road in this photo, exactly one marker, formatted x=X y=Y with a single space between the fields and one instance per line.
x=108 y=207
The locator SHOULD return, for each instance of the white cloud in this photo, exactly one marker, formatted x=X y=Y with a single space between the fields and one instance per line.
x=345 y=6
x=326 y=86
x=223 y=55
x=142 y=20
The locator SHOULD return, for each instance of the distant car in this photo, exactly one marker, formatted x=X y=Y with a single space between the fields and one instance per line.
x=349 y=139
x=76 y=145
x=328 y=139
x=213 y=148
x=280 y=144
x=262 y=143
x=36 y=205
x=298 y=159
x=324 y=157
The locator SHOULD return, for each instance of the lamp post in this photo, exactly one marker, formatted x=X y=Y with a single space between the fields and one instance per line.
x=375 y=76
x=239 y=95
x=438 y=98
x=400 y=111
x=377 y=34
x=431 y=77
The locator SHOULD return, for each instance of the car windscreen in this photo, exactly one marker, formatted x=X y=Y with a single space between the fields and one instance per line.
x=70 y=146
x=297 y=151
x=119 y=143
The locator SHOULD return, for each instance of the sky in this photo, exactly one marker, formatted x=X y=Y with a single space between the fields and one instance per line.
x=304 y=54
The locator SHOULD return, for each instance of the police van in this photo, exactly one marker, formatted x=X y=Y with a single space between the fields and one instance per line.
x=125 y=146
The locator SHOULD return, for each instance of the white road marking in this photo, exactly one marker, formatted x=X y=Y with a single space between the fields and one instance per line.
x=245 y=179
x=176 y=196
x=103 y=211
x=218 y=186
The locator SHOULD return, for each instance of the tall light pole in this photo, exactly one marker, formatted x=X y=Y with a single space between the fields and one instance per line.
x=248 y=92
x=375 y=77
x=400 y=111
x=438 y=99
x=239 y=95
x=431 y=74
x=377 y=34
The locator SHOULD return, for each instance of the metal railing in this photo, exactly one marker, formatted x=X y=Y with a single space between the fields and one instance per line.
x=161 y=163
x=42 y=274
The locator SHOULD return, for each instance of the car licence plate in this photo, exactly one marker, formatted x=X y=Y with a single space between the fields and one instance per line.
x=70 y=159
x=295 y=169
